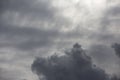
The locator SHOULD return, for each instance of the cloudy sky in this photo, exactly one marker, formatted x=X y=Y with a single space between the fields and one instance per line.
x=33 y=28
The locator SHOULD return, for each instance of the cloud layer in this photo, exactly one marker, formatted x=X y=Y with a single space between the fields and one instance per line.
x=30 y=28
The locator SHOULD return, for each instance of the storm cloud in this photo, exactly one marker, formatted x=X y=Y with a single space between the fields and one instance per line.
x=30 y=28
x=74 y=65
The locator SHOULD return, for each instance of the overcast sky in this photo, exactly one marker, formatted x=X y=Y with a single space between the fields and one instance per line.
x=32 y=28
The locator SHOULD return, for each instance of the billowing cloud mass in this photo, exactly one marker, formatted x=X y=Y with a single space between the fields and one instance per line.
x=74 y=65
x=33 y=28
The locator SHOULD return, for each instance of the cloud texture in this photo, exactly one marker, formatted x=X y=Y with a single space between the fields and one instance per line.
x=74 y=65
x=30 y=28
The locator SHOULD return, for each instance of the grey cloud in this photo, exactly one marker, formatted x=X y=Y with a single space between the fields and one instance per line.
x=110 y=25
x=108 y=32
x=25 y=38
x=112 y=15
x=115 y=78
x=1 y=77
x=114 y=11
x=104 y=56
x=101 y=52
x=116 y=47
x=74 y=65
x=104 y=37
x=41 y=7
x=7 y=75
x=40 y=10
x=28 y=38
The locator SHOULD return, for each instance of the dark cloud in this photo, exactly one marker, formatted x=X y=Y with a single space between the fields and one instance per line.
x=74 y=65
x=22 y=37
x=116 y=47
x=33 y=24
x=28 y=37
x=25 y=38
x=40 y=8
x=30 y=11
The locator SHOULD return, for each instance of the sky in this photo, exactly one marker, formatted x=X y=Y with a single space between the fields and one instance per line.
x=35 y=28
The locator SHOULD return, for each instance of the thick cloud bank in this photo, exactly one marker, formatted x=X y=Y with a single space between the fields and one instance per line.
x=73 y=65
